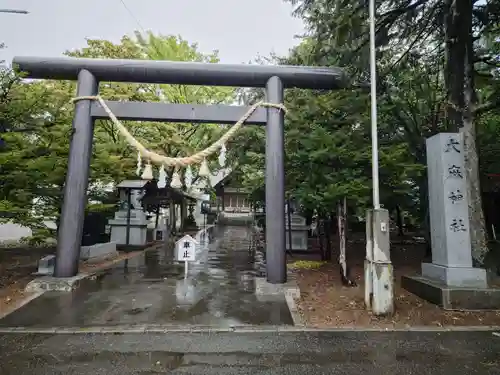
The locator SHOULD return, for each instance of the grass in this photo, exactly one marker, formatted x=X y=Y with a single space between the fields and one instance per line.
x=306 y=264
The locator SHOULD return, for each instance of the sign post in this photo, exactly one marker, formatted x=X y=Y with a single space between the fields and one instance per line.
x=185 y=250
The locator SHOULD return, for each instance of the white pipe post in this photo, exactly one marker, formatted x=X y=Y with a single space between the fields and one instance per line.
x=378 y=268
x=373 y=89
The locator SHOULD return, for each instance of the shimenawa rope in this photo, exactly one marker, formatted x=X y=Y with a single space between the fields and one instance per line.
x=196 y=158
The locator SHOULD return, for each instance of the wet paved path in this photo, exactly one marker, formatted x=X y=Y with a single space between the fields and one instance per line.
x=300 y=353
x=219 y=292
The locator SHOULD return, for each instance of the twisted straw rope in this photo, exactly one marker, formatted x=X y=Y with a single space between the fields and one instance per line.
x=182 y=161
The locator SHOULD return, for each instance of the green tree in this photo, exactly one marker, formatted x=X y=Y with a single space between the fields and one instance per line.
x=34 y=163
x=24 y=117
x=445 y=32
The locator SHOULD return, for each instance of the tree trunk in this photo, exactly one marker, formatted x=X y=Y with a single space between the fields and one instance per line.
x=321 y=247
x=476 y=215
x=461 y=96
x=454 y=55
x=309 y=216
x=399 y=221
x=423 y=196
x=320 y=239
x=342 y=229
x=328 y=238
x=157 y=216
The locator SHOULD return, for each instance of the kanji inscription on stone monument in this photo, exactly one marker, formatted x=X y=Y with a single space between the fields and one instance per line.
x=457 y=225
x=452 y=145
x=455 y=171
x=455 y=196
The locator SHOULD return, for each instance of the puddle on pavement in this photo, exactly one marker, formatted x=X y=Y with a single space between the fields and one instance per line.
x=151 y=289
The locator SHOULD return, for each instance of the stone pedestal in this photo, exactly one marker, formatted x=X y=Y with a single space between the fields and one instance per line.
x=46 y=265
x=138 y=228
x=467 y=277
x=451 y=268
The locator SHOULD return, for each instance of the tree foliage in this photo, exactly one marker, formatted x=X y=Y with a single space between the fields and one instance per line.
x=437 y=64
x=36 y=127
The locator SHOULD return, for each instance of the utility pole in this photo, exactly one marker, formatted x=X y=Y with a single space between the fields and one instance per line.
x=379 y=278
x=16 y=11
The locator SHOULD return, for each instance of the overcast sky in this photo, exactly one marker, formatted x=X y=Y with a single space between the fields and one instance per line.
x=239 y=29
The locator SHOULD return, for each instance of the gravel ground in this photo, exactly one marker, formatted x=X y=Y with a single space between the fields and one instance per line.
x=325 y=302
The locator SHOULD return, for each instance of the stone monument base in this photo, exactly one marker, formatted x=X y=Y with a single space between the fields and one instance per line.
x=462 y=277
x=275 y=292
x=55 y=284
x=452 y=297
x=98 y=252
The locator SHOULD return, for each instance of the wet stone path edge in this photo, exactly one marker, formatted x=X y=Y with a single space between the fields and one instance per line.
x=151 y=289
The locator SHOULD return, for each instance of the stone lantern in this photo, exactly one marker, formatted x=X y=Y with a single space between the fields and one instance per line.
x=129 y=225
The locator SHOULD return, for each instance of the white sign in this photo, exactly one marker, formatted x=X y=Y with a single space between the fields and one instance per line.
x=185 y=249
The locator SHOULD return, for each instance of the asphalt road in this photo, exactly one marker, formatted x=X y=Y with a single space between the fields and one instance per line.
x=276 y=352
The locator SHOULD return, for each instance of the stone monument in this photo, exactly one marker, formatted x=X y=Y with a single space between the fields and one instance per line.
x=451 y=274
x=449 y=215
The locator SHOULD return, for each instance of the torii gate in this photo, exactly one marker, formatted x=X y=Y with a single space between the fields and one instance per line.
x=89 y=72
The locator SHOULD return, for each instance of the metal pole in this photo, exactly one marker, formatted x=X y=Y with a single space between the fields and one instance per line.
x=129 y=203
x=275 y=185
x=75 y=188
x=373 y=80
